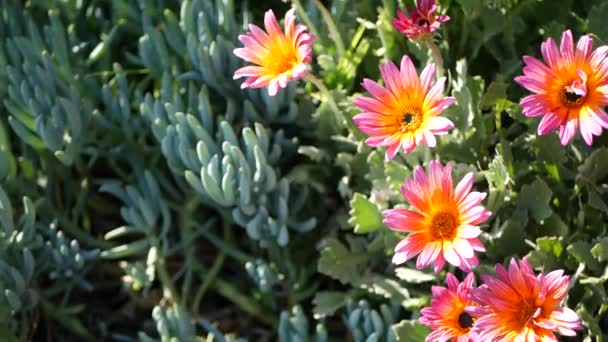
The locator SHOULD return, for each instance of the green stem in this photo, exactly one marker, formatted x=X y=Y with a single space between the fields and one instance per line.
x=230 y=250
x=306 y=19
x=334 y=33
x=436 y=53
x=74 y=231
x=165 y=279
x=230 y=292
x=186 y=223
x=215 y=268
x=330 y=99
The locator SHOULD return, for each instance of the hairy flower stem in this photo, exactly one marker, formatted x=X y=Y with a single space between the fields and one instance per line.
x=436 y=54
x=340 y=120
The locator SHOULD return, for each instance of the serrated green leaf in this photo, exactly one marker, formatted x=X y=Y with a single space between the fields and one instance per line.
x=327 y=302
x=600 y=249
x=414 y=276
x=581 y=251
x=365 y=216
x=535 y=197
x=410 y=331
x=338 y=262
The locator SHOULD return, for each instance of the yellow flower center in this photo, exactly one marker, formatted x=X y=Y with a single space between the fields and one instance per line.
x=525 y=313
x=282 y=58
x=465 y=321
x=410 y=121
x=443 y=226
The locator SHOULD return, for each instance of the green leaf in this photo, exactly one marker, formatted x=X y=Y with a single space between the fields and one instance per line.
x=383 y=286
x=535 y=197
x=338 y=262
x=547 y=253
x=364 y=215
x=596 y=201
x=410 y=331
x=590 y=321
x=327 y=302
x=549 y=149
x=597 y=20
x=496 y=90
x=414 y=276
x=581 y=251
x=595 y=167
x=600 y=250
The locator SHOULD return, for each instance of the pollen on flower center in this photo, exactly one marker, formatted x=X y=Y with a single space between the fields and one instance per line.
x=465 y=321
x=410 y=121
x=572 y=99
x=281 y=61
x=443 y=226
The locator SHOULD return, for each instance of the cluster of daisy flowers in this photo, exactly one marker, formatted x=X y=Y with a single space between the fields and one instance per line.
x=570 y=89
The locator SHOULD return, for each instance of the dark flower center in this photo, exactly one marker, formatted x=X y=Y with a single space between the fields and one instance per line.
x=424 y=22
x=572 y=96
x=465 y=320
x=410 y=121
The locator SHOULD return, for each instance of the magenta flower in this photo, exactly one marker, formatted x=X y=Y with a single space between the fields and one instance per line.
x=445 y=225
x=422 y=21
x=519 y=305
x=406 y=112
x=570 y=90
x=280 y=56
x=447 y=316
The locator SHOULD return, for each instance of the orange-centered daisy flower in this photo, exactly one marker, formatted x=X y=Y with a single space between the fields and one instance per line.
x=519 y=305
x=422 y=21
x=406 y=112
x=445 y=227
x=280 y=56
x=571 y=89
x=447 y=316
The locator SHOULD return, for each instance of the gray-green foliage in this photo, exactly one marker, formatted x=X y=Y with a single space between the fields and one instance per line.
x=32 y=252
x=367 y=324
x=294 y=326
x=232 y=169
x=262 y=274
x=46 y=91
x=172 y=325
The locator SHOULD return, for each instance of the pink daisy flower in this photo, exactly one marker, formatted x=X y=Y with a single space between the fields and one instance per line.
x=280 y=56
x=406 y=112
x=447 y=316
x=445 y=225
x=422 y=21
x=571 y=89
x=519 y=305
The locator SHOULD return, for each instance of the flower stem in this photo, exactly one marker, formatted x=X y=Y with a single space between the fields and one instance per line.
x=436 y=53
x=332 y=28
x=330 y=99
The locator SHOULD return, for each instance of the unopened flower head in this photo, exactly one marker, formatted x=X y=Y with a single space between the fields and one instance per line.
x=445 y=225
x=280 y=56
x=570 y=90
x=406 y=112
x=519 y=305
x=447 y=316
x=422 y=20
